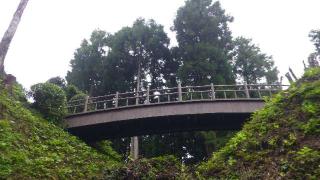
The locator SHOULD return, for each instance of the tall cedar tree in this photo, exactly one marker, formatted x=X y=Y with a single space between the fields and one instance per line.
x=203 y=52
x=205 y=43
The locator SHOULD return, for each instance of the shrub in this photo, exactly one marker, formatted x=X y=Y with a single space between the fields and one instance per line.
x=50 y=100
x=72 y=91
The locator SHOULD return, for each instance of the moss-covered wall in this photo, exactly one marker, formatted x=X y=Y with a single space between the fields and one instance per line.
x=33 y=148
x=281 y=141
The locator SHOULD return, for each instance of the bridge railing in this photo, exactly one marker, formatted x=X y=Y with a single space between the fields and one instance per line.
x=176 y=94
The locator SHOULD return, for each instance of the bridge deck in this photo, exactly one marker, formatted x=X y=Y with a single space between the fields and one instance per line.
x=210 y=107
x=162 y=118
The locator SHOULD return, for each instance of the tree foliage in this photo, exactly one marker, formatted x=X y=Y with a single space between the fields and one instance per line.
x=314 y=58
x=205 y=42
x=142 y=48
x=203 y=57
x=315 y=38
x=58 y=81
x=250 y=64
x=87 y=65
x=109 y=63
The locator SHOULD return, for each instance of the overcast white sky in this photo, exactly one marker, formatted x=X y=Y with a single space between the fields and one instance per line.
x=51 y=30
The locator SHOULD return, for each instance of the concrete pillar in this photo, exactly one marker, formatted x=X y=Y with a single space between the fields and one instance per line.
x=134 y=148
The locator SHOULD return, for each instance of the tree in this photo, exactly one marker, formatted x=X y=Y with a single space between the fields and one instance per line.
x=50 y=100
x=315 y=38
x=250 y=64
x=138 y=57
x=58 y=81
x=140 y=54
x=203 y=56
x=8 y=35
x=205 y=42
x=314 y=58
x=87 y=66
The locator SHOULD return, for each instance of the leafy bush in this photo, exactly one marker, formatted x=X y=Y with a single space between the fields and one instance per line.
x=72 y=91
x=79 y=98
x=50 y=100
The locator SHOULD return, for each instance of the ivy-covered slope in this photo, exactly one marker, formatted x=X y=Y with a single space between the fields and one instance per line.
x=282 y=141
x=32 y=148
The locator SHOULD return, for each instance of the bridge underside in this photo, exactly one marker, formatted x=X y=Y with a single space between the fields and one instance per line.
x=159 y=125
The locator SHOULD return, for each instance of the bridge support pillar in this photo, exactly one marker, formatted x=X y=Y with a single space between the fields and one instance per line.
x=134 y=148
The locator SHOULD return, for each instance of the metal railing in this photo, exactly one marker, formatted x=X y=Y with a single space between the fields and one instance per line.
x=176 y=94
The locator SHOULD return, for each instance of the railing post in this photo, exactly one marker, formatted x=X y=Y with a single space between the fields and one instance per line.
x=246 y=89
x=213 y=94
x=117 y=99
x=148 y=95
x=86 y=104
x=179 y=91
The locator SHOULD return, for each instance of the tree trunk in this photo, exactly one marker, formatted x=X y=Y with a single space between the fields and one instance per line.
x=8 y=35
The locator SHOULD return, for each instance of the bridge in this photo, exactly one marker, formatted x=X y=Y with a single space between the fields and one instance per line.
x=152 y=111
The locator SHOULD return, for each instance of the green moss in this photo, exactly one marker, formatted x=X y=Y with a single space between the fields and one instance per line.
x=33 y=148
x=280 y=141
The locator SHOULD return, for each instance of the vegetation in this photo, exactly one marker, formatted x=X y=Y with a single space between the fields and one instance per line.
x=33 y=148
x=251 y=65
x=280 y=141
x=205 y=42
x=50 y=100
x=165 y=167
x=314 y=58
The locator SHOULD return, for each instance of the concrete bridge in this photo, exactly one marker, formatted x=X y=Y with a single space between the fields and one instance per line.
x=210 y=107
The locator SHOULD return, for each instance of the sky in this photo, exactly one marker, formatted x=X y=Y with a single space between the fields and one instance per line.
x=51 y=30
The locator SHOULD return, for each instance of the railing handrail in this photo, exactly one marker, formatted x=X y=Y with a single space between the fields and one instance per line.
x=178 y=94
